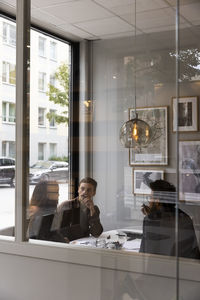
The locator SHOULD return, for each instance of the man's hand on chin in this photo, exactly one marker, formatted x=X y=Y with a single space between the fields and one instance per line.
x=88 y=202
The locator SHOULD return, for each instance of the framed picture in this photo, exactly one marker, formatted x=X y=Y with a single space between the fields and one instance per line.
x=142 y=179
x=156 y=153
x=189 y=170
x=187 y=113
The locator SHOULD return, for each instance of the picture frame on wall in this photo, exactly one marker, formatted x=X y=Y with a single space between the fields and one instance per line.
x=142 y=179
x=189 y=171
x=156 y=152
x=187 y=113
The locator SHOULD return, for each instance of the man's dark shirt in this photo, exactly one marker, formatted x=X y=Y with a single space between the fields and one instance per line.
x=74 y=221
x=159 y=234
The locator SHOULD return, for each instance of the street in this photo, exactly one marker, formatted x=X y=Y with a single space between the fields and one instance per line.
x=7 y=202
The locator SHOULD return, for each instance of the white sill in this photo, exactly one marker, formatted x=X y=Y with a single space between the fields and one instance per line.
x=42 y=56
x=8 y=123
x=10 y=45
x=41 y=126
x=53 y=59
x=10 y=84
x=41 y=91
x=53 y=127
x=155 y=265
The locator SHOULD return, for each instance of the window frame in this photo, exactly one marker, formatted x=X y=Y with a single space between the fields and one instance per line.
x=54 y=58
x=54 y=126
x=55 y=148
x=7 y=148
x=43 y=151
x=42 y=79
x=7 y=116
x=7 y=73
x=43 y=110
x=7 y=37
x=44 y=52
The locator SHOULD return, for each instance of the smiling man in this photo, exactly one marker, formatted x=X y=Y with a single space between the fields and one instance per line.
x=79 y=217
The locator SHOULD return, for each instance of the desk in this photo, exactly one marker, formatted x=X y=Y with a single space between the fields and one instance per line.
x=109 y=239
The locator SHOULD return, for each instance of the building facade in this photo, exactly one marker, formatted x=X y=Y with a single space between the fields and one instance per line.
x=47 y=139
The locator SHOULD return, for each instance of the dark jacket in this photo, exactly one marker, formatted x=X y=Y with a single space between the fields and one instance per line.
x=159 y=234
x=74 y=221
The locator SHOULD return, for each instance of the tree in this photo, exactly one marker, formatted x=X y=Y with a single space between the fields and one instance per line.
x=60 y=95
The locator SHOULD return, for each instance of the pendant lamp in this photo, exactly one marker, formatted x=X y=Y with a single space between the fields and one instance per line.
x=135 y=133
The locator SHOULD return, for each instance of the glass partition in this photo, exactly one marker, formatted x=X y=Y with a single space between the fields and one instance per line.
x=140 y=197
x=188 y=122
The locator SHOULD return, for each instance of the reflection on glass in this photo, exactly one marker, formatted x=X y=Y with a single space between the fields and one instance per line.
x=49 y=102
x=7 y=131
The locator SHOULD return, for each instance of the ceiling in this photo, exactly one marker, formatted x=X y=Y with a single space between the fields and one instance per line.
x=104 y=19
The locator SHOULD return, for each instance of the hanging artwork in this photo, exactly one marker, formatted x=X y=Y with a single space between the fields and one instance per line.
x=187 y=114
x=156 y=152
x=142 y=179
x=189 y=170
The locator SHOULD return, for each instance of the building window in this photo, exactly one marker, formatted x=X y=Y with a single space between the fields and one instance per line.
x=52 y=149
x=9 y=73
x=42 y=46
x=42 y=82
x=41 y=151
x=8 y=148
x=52 y=122
x=8 y=112
x=53 y=50
x=9 y=34
x=41 y=116
x=52 y=80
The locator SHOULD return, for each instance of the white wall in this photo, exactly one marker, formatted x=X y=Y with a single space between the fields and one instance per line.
x=23 y=278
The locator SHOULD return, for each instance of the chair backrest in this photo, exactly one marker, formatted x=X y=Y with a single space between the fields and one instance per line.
x=45 y=228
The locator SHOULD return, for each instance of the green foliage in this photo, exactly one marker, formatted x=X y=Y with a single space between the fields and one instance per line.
x=60 y=95
x=59 y=158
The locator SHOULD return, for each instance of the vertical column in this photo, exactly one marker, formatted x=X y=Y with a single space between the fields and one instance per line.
x=74 y=122
x=86 y=109
x=22 y=117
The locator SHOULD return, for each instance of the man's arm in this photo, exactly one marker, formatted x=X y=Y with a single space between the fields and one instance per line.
x=94 y=223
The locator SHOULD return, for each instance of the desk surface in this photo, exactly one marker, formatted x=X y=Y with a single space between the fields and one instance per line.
x=110 y=238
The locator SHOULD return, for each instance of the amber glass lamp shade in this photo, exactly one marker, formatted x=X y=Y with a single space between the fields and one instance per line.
x=135 y=133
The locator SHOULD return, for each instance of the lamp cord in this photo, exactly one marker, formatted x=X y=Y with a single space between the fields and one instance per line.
x=135 y=60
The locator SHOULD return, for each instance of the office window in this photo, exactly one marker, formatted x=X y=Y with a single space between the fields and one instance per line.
x=41 y=151
x=52 y=149
x=8 y=148
x=8 y=112
x=52 y=122
x=9 y=34
x=41 y=116
x=53 y=50
x=8 y=73
x=42 y=81
x=42 y=46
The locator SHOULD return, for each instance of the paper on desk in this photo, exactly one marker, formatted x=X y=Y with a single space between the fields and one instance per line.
x=133 y=245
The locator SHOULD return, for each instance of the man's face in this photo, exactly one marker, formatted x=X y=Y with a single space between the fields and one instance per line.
x=86 y=190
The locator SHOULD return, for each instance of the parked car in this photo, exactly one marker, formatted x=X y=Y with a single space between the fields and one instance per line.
x=7 y=171
x=48 y=170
